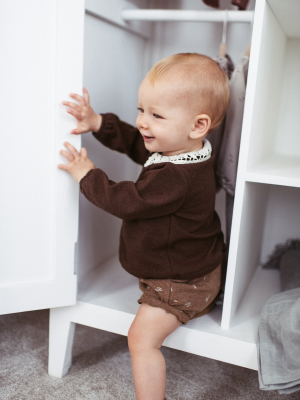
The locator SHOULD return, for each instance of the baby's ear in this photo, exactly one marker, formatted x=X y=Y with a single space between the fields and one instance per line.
x=202 y=123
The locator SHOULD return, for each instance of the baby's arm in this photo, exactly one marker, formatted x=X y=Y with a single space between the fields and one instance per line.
x=122 y=137
x=159 y=192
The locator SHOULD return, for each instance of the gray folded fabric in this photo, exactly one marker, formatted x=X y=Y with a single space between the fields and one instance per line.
x=278 y=347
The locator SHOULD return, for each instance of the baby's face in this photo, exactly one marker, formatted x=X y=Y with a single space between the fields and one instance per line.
x=166 y=117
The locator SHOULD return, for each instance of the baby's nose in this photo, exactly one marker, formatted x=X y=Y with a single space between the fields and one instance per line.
x=142 y=123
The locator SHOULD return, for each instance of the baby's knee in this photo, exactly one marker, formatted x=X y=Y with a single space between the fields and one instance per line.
x=135 y=342
x=140 y=341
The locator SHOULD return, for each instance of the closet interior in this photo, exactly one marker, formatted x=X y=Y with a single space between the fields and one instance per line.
x=265 y=211
x=107 y=295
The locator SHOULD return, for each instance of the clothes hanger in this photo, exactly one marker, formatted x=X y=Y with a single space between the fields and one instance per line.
x=222 y=49
x=248 y=49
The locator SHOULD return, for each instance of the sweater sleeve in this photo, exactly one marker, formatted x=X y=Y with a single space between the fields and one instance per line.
x=160 y=192
x=122 y=137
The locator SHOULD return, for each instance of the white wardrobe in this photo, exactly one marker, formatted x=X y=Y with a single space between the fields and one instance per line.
x=61 y=252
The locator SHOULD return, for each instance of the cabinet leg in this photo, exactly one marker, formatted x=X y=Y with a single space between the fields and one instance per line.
x=61 y=335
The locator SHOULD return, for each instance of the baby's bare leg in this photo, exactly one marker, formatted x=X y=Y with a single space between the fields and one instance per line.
x=147 y=332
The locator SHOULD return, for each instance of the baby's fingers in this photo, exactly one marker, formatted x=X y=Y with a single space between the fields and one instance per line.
x=68 y=155
x=72 y=105
x=65 y=167
x=80 y=99
x=83 y=152
x=86 y=96
x=72 y=149
x=78 y=115
x=78 y=131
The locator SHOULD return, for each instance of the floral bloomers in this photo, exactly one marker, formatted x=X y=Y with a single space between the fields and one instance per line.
x=187 y=299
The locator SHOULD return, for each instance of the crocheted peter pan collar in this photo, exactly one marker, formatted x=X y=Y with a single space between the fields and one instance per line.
x=183 y=158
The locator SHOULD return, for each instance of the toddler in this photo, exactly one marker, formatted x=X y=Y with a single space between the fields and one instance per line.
x=171 y=237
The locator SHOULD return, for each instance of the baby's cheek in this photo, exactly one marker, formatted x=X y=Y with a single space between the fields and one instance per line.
x=137 y=122
x=161 y=133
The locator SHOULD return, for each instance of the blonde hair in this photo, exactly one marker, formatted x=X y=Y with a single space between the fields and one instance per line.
x=208 y=83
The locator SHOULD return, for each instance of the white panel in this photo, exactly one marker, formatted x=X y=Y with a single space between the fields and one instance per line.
x=27 y=128
x=267 y=90
x=275 y=143
x=270 y=216
x=287 y=12
x=282 y=220
x=43 y=43
x=250 y=239
x=287 y=139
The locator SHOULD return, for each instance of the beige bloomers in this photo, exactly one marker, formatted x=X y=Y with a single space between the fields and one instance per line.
x=187 y=299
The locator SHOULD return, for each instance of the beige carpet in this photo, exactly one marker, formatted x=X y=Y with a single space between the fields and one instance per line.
x=101 y=368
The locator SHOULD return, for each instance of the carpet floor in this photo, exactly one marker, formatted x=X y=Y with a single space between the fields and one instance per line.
x=101 y=368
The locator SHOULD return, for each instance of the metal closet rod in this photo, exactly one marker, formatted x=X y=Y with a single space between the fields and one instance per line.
x=186 y=15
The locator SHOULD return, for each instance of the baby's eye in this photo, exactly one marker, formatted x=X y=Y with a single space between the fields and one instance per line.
x=156 y=116
x=140 y=109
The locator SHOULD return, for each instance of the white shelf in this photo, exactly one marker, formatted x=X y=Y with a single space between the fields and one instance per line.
x=276 y=170
x=111 y=294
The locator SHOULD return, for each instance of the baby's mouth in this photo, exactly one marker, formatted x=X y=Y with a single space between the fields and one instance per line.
x=148 y=138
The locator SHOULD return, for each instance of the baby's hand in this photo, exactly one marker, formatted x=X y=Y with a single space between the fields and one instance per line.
x=87 y=120
x=79 y=164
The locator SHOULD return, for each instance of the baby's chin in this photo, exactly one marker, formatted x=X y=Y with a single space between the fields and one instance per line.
x=152 y=147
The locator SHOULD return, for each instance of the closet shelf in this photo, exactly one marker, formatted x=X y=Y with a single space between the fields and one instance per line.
x=112 y=294
x=186 y=15
x=276 y=170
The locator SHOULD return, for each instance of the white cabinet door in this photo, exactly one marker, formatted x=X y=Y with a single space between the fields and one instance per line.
x=41 y=45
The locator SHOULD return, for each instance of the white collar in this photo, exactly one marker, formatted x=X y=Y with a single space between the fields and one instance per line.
x=183 y=158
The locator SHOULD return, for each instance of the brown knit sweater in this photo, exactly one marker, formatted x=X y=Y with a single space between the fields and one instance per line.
x=170 y=228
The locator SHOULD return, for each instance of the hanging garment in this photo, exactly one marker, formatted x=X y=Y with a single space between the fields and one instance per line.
x=226 y=64
x=212 y=3
x=230 y=147
x=228 y=156
x=215 y=136
x=242 y=4
x=278 y=346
